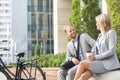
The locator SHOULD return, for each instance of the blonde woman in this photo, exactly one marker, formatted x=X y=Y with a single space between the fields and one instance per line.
x=104 y=56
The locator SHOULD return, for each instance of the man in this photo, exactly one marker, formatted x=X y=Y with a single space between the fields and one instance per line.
x=85 y=44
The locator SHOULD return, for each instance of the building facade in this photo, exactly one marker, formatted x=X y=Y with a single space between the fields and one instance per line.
x=40 y=25
x=5 y=29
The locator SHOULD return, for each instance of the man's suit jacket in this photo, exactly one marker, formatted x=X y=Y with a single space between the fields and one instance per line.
x=85 y=44
x=108 y=51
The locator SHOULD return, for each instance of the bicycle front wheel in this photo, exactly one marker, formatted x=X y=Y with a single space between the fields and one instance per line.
x=31 y=72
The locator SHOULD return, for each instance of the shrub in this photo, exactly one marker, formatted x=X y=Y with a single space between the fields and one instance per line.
x=118 y=52
x=83 y=16
x=114 y=11
x=51 y=60
x=37 y=50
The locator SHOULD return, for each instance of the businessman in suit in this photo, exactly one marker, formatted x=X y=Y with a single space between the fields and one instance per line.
x=85 y=44
x=104 y=56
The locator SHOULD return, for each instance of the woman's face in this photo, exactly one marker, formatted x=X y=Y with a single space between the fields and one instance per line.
x=98 y=25
x=71 y=32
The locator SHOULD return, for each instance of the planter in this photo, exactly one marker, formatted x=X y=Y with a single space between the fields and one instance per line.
x=51 y=73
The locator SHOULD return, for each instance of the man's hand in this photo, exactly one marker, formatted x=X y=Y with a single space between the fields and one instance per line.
x=75 y=61
x=92 y=57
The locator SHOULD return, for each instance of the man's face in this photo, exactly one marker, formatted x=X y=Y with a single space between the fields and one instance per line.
x=71 y=32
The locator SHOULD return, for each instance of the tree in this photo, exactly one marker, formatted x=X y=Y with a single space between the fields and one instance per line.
x=37 y=50
x=114 y=11
x=83 y=16
x=75 y=15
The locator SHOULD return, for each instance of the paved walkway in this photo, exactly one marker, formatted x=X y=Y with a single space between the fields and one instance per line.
x=51 y=73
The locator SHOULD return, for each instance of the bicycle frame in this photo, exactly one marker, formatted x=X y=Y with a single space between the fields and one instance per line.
x=8 y=72
x=20 y=67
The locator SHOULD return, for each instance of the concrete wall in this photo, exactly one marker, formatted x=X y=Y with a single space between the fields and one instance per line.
x=61 y=17
x=104 y=7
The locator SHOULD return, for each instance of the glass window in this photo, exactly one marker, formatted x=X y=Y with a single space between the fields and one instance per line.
x=39 y=35
x=29 y=34
x=45 y=20
x=49 y=6
x=50 y=34
x=33 y=27
x=29 y=46
x=49 y=3
x=40 y=2
x=29 y=8
x=29 y=2
x=41 y=19
x=29 y=18
x=3 y=30
x=33 y=34
x=33 y=18
x=3 y=36
x=50 y=46
x=33 y=2
x=40 y=8
x=50 y=21
x=29 y=27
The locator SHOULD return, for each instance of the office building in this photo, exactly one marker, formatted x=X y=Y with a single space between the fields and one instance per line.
x=40 y=25
x=5 y=30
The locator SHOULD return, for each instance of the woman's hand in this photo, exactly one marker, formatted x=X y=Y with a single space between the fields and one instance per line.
x=92 y=57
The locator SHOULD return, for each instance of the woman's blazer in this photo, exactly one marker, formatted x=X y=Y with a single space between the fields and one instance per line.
x=108 y=51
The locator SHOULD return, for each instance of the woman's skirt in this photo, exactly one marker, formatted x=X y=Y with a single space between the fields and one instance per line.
x=97 y=67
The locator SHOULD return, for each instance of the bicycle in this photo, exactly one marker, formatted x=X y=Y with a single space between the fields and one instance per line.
x=25 y=70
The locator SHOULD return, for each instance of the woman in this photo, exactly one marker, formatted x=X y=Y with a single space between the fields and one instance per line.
x=104 y=56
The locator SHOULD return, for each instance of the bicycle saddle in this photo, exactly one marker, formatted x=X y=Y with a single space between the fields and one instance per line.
x=21 y=54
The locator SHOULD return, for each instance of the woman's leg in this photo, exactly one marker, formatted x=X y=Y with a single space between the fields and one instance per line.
x=86 y=75
x=82 y=67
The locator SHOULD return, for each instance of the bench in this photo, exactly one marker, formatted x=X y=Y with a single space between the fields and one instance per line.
x=112 y=75
x=51 y=73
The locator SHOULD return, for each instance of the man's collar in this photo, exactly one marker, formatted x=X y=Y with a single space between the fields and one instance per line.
x=76 y=38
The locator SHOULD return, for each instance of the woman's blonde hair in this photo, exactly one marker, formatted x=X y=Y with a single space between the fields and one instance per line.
x=104 y=20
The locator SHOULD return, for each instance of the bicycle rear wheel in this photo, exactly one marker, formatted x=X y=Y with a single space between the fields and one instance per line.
x=31 y=72
x=3 y=76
